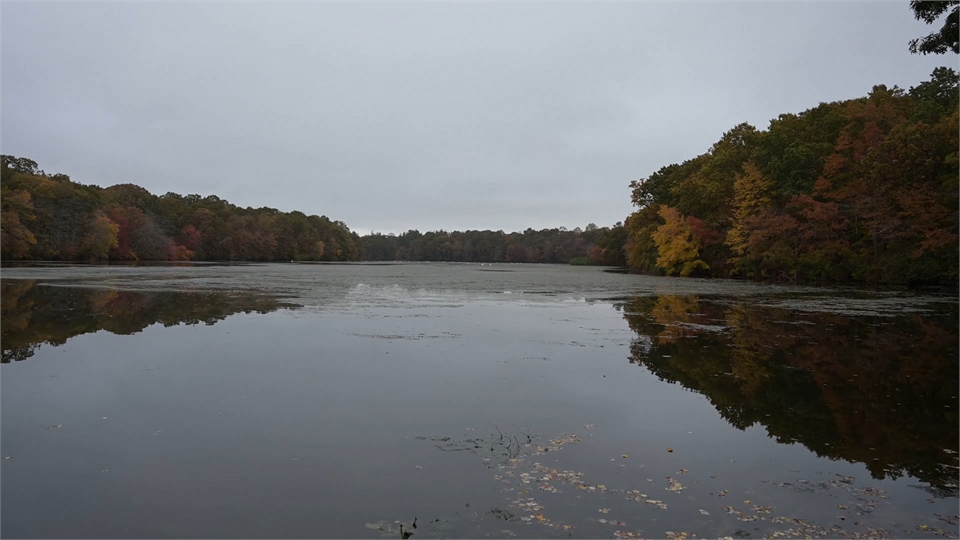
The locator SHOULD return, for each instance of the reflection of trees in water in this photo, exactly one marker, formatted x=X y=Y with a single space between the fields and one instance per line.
x=33 y=314
x=877 y=390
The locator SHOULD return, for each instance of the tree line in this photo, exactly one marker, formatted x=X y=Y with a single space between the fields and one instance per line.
x=50 y=217
x=592 y=245
x=864 y=189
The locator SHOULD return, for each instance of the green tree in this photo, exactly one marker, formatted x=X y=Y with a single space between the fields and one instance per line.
x=944 y=40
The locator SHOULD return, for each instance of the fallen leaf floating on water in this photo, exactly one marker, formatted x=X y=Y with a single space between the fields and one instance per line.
x=604 y=510
x=682 y=471
x=58 y=426
x=624 y=456
x=676 y=536
x=589 y=426
x=669 y=449
x=674 y=485
x=624 y=535
x=704 y=512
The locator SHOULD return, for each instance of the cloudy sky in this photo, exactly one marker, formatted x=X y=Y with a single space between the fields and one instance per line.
x=397 y=116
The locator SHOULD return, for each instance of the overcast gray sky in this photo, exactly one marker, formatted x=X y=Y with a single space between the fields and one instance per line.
x=398 y=116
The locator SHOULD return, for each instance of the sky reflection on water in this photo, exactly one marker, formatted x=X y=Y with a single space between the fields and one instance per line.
x=286 y=416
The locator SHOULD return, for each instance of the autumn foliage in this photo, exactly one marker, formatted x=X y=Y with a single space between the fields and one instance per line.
x=50 y=217
x=863 y=190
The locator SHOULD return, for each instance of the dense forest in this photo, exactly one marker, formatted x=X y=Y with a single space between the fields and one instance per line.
x=864 y=190
x=50 y=217
x=592 y=245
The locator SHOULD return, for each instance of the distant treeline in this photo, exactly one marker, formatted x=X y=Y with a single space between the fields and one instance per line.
x=863 y=190
x=593 y=245
x=50 y=217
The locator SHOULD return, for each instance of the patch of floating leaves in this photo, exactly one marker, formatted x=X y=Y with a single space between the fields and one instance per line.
x=841 y=482
x=674 y=485
x=741 y=516
x=636 y=496
x=513 y=467
x=555 y=444
x=804 y=529
x=936 y=531
x=528 y=504
x=952 y=520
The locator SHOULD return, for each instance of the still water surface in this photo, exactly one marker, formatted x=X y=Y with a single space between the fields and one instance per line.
x=321 y=400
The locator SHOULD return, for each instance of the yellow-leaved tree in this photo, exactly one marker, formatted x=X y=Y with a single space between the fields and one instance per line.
x=677 y=245
x=101 y=237
x=751 y=194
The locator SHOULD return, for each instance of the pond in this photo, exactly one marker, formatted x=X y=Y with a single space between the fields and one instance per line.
x=464 y=400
